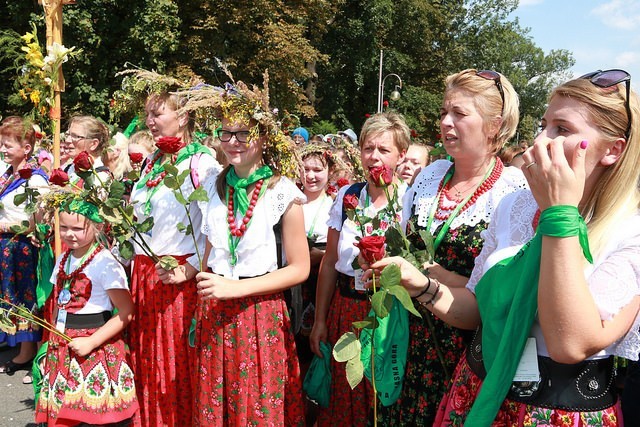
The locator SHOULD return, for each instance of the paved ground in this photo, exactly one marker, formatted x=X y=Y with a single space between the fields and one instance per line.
x=16 y=399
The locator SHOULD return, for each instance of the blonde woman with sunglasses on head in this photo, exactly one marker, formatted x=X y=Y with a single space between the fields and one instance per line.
x=556 y=288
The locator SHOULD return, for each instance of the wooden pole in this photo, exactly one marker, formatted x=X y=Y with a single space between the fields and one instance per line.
x=53 y=20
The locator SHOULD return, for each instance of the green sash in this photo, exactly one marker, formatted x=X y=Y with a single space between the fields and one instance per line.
x=507 y=297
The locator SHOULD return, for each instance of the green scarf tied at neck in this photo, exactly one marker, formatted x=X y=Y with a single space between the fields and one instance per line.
x=241 y=199
x=507 y=298
x=240 y=185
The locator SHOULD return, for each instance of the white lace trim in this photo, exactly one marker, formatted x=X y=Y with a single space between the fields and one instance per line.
x=424 y=192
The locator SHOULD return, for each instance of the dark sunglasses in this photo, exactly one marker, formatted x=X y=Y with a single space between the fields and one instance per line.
x=492 y=75
x=609 y=78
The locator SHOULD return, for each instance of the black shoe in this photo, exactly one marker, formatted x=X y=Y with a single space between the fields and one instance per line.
x=12 y=367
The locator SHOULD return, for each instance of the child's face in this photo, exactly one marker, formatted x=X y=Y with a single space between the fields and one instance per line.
x=76 y=231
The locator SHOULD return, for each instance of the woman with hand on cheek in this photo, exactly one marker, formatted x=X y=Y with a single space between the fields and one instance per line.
x=556 y=287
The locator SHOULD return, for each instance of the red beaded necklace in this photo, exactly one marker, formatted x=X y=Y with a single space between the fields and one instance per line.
x=233 y=228
x=153 y=182
x=64 y=277
x=444 y=211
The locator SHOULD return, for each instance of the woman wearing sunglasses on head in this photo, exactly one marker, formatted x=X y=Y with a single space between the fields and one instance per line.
x=453 y=200
x=556 y=287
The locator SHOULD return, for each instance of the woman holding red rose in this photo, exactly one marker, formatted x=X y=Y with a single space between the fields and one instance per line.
x=454 y=201
x=165 y=300
x=19 y=257
x=89 y=135
x=383 y=142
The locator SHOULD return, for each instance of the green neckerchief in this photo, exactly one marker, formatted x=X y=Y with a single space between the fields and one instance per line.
x=507 y=297
x=185 y=153
x=241 y=199
x=456 y=211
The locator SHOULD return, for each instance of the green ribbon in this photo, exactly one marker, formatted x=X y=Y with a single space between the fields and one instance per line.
x=185 y=153
x=241 y=199
x=133 y=126
x=46 y=262
x=86 y=209
x=507 y=296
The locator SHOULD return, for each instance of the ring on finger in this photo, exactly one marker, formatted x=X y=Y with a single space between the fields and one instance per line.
x=527 y=166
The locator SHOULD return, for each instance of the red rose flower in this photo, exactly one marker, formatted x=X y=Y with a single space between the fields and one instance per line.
x=342 y=182
x=367 y=115
x=332 y=190
x=59 y=177
x=385 y=103
x=83 y=162
x=350 y=202
x=461 y=398
x=371 y=248
x=170 y=144
x=135 y=157
x=25 y=173
x=414 y=133
x=381 y=175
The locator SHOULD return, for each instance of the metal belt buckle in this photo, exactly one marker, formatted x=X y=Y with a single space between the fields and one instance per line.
x=524 y=389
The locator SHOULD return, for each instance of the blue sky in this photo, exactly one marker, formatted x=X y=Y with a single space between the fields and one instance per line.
x=601 y=34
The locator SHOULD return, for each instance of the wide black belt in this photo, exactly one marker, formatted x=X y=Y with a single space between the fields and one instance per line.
x=87 y=321
x=347 y=289
x=584 y=386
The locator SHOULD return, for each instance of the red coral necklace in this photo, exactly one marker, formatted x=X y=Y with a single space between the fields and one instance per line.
x=153 y=182
x=234 y=229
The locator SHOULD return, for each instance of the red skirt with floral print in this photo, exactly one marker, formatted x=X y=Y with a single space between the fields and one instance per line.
x=161 y=356
x=96 y=389
x=456 y=404
x=347 y=407
x=247 y=368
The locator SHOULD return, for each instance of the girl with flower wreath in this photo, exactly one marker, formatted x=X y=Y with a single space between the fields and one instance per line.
x=247 y=370
x=19 y=257
x=88 y=380
x=383 y=142
x=165 y=300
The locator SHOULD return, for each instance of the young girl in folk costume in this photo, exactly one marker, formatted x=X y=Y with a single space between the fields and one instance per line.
x=165 y=300
x=247 y=370
x=87 y=380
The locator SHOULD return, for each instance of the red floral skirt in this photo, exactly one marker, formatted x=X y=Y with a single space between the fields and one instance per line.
x=96 y=389
x=347 y=407
x=456 y=404
x=247 y=368
x=162 y=359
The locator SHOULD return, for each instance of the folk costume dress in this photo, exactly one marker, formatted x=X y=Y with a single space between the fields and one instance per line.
x=19 y=258
x=161 y=357
x=247 y=368
x=349 y=407
x=98 y=388
x=613 y=280
x=434 y=353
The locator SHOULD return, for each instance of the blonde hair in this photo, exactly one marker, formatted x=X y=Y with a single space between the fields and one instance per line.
x=93 y=128
x=144 y=138
x=389 y=121
x=615 y=195
x=122 y=163
x=488 y=102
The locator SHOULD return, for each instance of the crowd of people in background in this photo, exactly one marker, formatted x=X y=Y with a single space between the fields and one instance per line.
x=535 y=260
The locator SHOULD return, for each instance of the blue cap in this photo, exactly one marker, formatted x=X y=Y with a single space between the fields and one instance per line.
x=302 y=132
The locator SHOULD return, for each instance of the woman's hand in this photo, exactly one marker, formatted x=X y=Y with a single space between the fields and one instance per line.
x=82 y=346
x=318 y=333
x=212 y=286
x=172 y=277
x=554 y=178
x=410 y=277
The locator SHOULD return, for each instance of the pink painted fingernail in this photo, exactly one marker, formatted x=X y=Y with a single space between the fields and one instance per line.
x=584 y=144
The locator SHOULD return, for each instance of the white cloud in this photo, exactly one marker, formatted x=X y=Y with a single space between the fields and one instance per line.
x=620 y=14
x=627 y=59
x=524 y=3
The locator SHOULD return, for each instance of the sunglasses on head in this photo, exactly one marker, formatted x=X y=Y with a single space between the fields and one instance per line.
x=492 y=75
x=609 y=78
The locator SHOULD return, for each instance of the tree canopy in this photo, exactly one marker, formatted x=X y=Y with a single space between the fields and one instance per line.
x=322 y=56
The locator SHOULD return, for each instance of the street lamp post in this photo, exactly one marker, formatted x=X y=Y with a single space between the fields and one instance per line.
x=395 y=95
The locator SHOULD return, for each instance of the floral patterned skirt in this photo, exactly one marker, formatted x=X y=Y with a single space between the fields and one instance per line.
x=247 y=368
x=455 y=407
x=18 y=260
x=96 y=389
x=347 y=407
x=161 y=357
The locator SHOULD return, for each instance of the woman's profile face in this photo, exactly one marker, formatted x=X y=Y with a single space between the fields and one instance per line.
x=162 y=120
x=462 y=127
